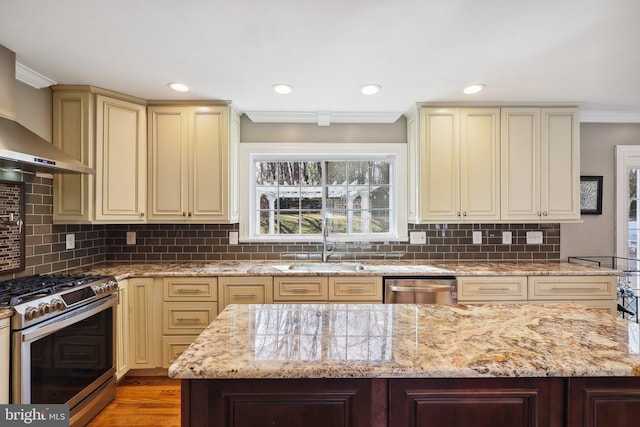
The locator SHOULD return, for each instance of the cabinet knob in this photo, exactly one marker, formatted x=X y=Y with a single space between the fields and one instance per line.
x=141 y=214
x=539 y=213
x=458 y=214
x=184 y=214
x=189 y=213
x=544 y=213
x=464 y=214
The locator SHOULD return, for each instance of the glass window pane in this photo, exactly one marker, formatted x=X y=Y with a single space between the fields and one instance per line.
x=268 y=222
x=633 y=183
x=337 y=197
x=379 y=198
x=358 y=172
x=311 y=203
x=289 y=222
x=311 y=173
x=380 y=221
x=266 y=172
x=336 y=173
x=337 y=220
x=288 y=173
x=379 y=173
x=311 y=222
x=267 y=197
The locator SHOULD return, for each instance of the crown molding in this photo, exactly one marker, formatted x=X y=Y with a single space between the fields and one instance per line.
x=609 y=117
x=322 y=118
x=32 y=78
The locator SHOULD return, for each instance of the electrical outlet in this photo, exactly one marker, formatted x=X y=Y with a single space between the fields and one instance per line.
x=418 y=237
x=507 y=237
x=477 y=237
x=131 y=237
x=233 y=237
x=70 y=242
x=534 y=237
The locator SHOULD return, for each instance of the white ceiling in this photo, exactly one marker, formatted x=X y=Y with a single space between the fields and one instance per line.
x=585 y=51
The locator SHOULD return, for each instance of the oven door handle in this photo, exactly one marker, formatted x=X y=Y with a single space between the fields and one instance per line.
x=74 y=316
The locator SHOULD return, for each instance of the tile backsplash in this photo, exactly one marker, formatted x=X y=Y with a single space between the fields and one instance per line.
x=46 y=253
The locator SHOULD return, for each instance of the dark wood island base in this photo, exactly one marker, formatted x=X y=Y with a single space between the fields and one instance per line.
x=424 y=402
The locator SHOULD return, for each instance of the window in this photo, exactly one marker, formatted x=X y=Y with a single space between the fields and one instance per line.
x=358 y=194
x=627 y=214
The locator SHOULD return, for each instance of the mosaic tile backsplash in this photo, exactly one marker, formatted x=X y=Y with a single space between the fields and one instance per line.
x=46 y=253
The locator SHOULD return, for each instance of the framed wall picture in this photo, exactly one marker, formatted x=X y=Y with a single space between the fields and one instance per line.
x=591 y=195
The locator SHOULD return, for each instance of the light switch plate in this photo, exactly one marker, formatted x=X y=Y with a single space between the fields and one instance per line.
x=418 y=237
x=534 y=237
x=70 y=242
x=233 y=237
x=131 y=237
x=507 y=237
x=477 y=237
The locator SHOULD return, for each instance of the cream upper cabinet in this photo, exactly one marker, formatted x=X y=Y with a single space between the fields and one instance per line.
x=105 y=131
x=540 y=164
x=121 y=160
x=458 y=169
x=192 y=163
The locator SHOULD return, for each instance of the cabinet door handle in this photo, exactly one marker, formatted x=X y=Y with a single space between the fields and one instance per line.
x=188 y=319
x=188 y=291
x=189 y=213
x=244 y=295
x=184 y=214
x=141 y=214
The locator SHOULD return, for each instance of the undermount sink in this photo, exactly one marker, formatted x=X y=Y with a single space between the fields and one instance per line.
x=325 y=266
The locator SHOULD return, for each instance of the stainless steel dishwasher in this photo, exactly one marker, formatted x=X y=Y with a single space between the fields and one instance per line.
x=420 y=290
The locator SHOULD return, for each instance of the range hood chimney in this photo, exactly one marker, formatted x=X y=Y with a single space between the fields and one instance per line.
x=20 y=148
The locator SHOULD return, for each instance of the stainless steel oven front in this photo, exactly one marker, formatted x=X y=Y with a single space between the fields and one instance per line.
x=69 y=359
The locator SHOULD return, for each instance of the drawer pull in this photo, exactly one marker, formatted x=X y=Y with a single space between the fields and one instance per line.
x=493 y=289
x=244 y=295
x=355 y=289
x=188 y=291
x=299 y=289
x=575 y=289
x=188 y=319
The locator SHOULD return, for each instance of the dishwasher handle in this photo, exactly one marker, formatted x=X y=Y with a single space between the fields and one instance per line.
x=422 y=288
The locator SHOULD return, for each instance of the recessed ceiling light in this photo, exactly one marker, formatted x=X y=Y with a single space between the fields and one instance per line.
x=282 y=88
x=370 y=89
x=470 y=90
x=178 y=87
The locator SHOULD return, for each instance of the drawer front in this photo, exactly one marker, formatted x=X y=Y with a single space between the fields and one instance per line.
x=572 y=287
x=180 y=318
x=244 y=290
x=292 y=289
x=494 y=288
x=173 y=346
x=355 y=289
x=190 y=289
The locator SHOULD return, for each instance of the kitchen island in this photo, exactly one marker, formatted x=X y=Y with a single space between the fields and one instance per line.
x=410 y=365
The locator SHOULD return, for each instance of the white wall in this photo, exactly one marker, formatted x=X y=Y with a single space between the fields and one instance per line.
x=596 y=235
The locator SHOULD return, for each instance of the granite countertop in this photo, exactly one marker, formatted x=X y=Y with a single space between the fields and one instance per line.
x=397 y=340
x=405 y=268
x=5 y=313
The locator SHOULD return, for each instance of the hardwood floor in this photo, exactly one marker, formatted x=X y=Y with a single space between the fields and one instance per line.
x=142 y=401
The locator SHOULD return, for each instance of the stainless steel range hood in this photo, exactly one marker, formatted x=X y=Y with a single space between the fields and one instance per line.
x=20 y=148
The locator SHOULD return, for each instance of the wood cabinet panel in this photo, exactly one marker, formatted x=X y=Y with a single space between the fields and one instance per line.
x=187 y=317
x=492 y=288
x=5 y=345
x=572 y=287
x=362 y=289
x=190 y=289
x=144 y=335
x=299 y=402
x=294 y=289
x=514 y=402
x=173 y=346
x=122 y=329
x=244 y=290
x=604 y=402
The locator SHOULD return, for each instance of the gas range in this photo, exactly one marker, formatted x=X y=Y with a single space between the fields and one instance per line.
x=37 y=298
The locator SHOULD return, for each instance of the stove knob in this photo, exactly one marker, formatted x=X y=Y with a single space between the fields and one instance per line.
x=57 y=304
x=44 y=308
x=30 y=313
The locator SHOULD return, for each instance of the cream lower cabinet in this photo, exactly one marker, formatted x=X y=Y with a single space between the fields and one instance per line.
x=192 y=163
x=5 y=345
x=322 y=289
x=540 y=150
x=189 y=305
x=244 y=290
x=454 y=161
x=492 y=289
x=592 y=291
x=145 y=302
x=106 y=131
x=122 y=329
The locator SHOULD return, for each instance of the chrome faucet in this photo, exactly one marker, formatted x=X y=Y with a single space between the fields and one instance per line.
x=327 y=248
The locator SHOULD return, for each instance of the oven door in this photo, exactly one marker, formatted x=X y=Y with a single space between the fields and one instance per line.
x=65 y=359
